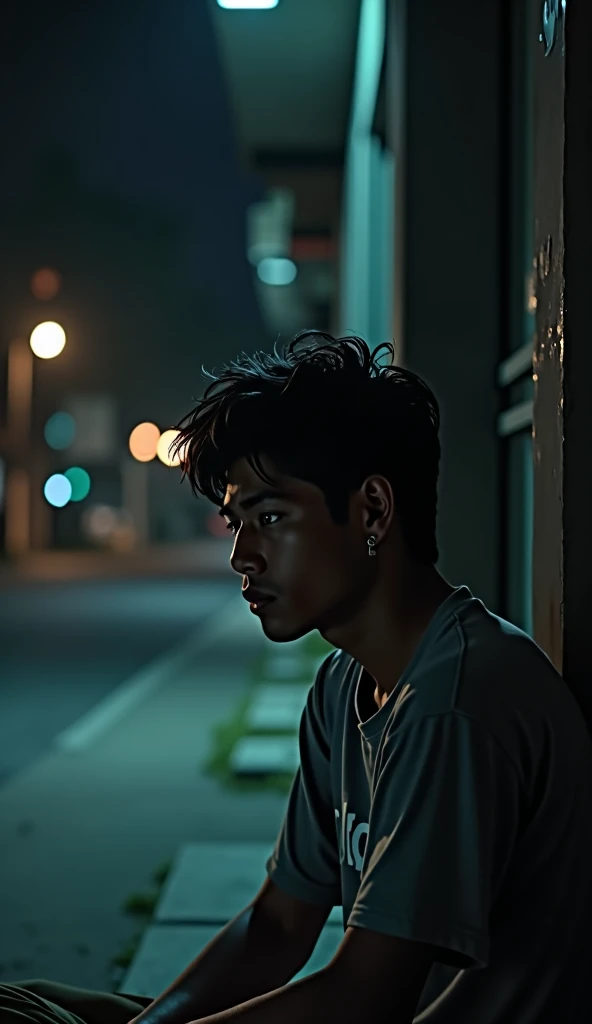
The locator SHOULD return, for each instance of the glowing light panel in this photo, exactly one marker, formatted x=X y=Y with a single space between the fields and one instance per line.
x=248 y=5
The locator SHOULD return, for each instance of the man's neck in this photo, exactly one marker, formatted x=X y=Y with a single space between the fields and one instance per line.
x=385 y=634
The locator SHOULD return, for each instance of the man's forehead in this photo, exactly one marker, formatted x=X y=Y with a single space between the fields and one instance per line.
x=242 y=476
x=244 y=485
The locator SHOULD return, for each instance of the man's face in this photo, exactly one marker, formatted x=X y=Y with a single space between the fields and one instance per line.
x=288 y=547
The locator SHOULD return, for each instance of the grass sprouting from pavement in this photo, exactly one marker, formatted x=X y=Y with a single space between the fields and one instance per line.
x=227 y=734
x=141 y=905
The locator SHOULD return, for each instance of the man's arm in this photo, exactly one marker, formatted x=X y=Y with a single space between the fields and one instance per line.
x=373 y=979
x=259 y=951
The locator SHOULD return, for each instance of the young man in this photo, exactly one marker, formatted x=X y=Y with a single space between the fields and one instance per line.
x=444 y=794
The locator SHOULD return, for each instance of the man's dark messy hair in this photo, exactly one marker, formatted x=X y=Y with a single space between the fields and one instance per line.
x=326 y=411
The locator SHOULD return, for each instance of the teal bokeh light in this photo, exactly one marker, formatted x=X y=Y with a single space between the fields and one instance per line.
x=60 y=431
x=57 y=490
x=277 y=271
x=79 y=481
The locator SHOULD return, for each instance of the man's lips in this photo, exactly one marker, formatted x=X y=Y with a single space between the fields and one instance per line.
x=257 y=597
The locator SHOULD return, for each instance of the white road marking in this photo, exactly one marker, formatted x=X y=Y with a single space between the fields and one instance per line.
x=225 y=622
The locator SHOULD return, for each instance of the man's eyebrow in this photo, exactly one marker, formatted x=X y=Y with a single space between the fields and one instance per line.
x=256 y=499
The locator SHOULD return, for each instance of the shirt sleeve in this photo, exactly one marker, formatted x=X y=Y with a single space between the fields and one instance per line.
x=442 y=829
x=305 y=861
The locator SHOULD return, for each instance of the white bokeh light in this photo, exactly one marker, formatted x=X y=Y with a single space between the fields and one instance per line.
x=48 y=340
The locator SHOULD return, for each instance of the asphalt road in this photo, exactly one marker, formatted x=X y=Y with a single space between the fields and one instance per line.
x=65 y=646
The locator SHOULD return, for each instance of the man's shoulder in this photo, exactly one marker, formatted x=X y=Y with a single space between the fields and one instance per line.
x=494 y=648
x=478 y=662
x=508 y=683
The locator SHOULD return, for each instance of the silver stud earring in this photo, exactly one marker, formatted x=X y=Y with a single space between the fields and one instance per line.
x=371 y=542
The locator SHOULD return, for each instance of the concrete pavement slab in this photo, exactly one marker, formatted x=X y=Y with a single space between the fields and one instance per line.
x=281 y=693
x=212 y=881
x=265 y=755
x=273 y=718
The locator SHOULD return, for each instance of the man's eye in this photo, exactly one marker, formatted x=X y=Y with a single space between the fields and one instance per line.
x=278 y=515
x=233 y=527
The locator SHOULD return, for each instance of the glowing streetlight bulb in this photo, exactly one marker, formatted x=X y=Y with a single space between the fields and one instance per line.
x=48 y=340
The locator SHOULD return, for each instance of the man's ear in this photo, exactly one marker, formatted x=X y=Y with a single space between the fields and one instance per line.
x=378 y=506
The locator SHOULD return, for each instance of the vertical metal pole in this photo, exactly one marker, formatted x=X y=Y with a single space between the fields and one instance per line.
x=18 y=480
x=134 y=481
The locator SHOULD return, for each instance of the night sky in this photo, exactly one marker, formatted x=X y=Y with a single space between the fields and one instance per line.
x=120 y=168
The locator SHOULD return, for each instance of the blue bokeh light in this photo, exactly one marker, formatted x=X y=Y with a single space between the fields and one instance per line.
x=57 y=490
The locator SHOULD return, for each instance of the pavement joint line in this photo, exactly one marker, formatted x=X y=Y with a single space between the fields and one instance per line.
x=128 y=694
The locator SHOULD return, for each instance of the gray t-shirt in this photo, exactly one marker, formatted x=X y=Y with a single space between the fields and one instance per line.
x=459 y=814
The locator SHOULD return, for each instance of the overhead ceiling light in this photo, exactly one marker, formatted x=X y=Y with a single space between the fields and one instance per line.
x=248 y=5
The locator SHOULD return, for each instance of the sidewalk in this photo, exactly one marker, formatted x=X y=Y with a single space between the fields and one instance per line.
x=89 y=823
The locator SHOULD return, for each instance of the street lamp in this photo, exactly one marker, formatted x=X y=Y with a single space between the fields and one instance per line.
x=47 y=340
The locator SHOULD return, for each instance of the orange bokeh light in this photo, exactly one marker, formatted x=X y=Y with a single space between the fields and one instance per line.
x=143 y=441
x=46 y=283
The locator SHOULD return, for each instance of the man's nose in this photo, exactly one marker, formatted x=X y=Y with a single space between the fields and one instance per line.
x=245 y=558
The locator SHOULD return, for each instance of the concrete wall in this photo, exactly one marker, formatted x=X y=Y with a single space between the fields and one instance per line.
x=444 y=116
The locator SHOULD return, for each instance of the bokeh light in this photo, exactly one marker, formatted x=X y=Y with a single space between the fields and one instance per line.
x=46 y=283
x=79 y=481
x=48 y=340
x=276 y=270
x=60 y=431
x=143 y=441
x=99 y=521
x=57 y=490
x=111 y=527
x=167 y=438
